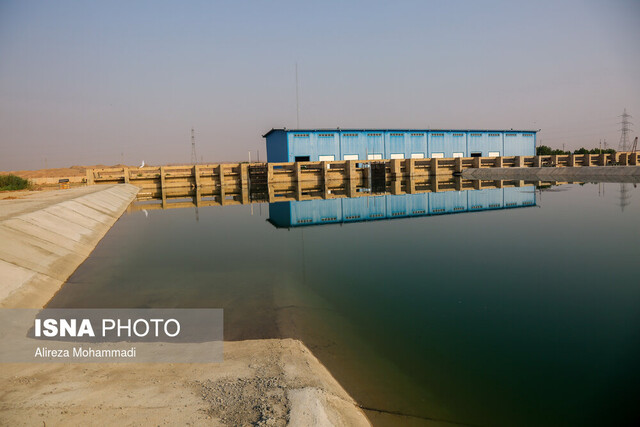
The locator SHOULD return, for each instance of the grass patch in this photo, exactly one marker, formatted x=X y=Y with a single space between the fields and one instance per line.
x=13 y=182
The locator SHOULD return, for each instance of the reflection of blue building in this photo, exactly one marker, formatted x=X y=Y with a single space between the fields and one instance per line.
x=342 y=144
x=327 y=211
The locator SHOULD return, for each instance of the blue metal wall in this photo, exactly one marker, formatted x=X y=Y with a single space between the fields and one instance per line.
x=375 y=144
x=353 y=143
x=519 y=144
x=485 y=143
x=286 y=145
x=277 y=149
x=313 y=144
x=321 y=211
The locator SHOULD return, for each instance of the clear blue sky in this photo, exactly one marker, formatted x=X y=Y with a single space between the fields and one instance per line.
x=83 y=82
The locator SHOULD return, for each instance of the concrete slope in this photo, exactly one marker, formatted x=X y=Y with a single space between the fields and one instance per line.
x=44 y=237
x=629 y=174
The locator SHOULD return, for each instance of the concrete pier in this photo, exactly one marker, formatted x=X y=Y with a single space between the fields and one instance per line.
x=44 y=237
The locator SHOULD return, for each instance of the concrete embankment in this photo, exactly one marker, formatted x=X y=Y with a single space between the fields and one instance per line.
x=45 y=236
x=620 y=174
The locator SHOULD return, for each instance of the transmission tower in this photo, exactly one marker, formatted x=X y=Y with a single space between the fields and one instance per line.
x=194 y=158
x=625 y=130
x=625 y=196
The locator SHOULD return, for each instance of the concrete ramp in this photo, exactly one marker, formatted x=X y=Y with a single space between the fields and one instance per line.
x=45 y=236
x=618 y=174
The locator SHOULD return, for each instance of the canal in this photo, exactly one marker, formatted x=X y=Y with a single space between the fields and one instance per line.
x=511 y=315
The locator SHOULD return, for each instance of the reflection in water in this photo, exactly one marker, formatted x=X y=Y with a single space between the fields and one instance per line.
x=345 y=210
x=624 y=196
x=346 y=201
x=510 y=317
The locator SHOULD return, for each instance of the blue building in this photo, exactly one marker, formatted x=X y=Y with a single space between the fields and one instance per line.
x=343 y=210
x=284 y=145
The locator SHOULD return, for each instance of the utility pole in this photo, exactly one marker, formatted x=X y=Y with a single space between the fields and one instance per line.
x=194 y=157
x=625 y=130
x=297 y=100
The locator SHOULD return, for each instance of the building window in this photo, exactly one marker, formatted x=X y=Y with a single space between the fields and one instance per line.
x=510 y=135
x=437 y=134
x=326 y=158
x=396 y=134
x=458 y=134
x=494 y=154
x=374 y=157
x=351 y=134
x=458 y=154
x=301 y=135
x=417 y=134
x=397 y=155
x=302 y=158
x=374 y=134
x=475 y=134
x=350 y=157
x=437 y=155
x=326 y=135
x=417 y=155
x=476 y=154
x=528 y=135
x=494 y=134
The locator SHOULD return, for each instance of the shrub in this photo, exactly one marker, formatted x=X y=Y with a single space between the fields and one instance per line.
x=13 y=182
x=543 y=150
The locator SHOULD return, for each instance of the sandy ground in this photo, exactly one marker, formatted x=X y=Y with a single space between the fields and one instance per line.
x=56 y=172
x=260 y=382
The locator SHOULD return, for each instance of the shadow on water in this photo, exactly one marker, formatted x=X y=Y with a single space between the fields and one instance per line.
x=439 y=301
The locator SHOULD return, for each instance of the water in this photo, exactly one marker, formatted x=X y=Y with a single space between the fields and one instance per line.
x=525 y=316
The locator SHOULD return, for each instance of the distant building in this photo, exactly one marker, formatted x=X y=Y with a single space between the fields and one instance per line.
x=285 y=145
x=388 y=206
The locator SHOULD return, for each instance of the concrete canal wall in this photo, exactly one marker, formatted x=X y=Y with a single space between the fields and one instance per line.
x=45 y=236
x=619 y=174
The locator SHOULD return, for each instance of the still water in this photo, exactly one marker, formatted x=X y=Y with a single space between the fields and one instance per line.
x=499 y=317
